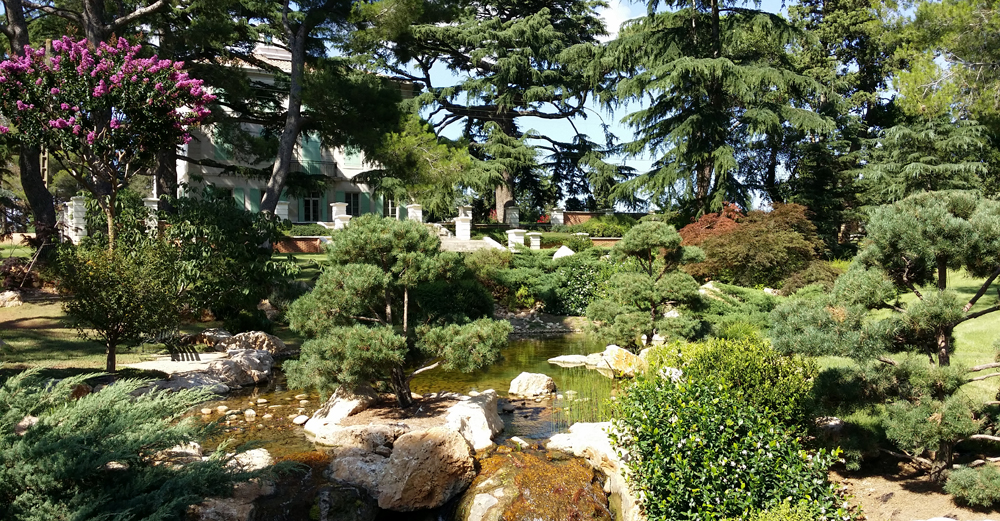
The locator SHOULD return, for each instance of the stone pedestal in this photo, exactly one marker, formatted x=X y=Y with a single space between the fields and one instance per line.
x=535 y=239
x=465 y=211
x=515 y=238
x=415 y=212
x=582 y=235
x=512 y=216
x=152 y=220
x=336 y=210
x=75 y=217
x=463 y=228
x=558 y=217
x=281 y=210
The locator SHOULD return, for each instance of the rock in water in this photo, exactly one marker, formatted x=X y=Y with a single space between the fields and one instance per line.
x=345 y=503
x=342 y=404
x=476 y=419
x=425 y=470
x=531 y=385
x=622 y=362
x=526 y=485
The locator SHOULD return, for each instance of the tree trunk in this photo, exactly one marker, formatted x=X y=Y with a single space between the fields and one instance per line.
x=111 y=351
x=165 y=177
x=504 y=195
x=944 y=346
x=293 y=122
x=39 y=198
x=942 y=268
x=109 y=214
x=401 y=386
x=703 y=183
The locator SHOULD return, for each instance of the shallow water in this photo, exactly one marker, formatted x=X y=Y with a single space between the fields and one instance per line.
x=582 y=394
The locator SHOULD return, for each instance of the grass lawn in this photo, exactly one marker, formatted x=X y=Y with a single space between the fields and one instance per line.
x=14 y=250
x=310 y=264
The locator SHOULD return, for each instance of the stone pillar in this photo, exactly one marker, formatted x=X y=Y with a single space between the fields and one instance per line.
x=558 y=216
x=415 y=212
x=535 y=238
x=76 y=219
x=337 y=209
x=512 y=216
x=463 y=228
x=281 y=210
x=515 y=238
x=152 y=220
x=465 y=211
x=609 y=211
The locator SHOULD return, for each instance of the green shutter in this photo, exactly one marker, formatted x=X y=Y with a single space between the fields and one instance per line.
x=284 y=195
x=324 y=208
x=238 y=197
x=302 y=210
x=340 y=197
x=312 y=155
x=255 y=200
x=402 y=213
x=379 y=206
x=364 y=203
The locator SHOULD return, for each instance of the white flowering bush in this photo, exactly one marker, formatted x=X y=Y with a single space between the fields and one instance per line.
x=697 y=451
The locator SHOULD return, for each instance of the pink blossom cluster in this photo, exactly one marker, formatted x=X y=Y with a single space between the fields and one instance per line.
x=62 y=91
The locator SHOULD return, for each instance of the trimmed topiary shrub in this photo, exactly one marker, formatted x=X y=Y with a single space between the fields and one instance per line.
x=698 y=451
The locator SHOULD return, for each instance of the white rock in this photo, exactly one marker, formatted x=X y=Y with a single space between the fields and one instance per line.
x=250 y=415
x=300 y=419
x=569 y=360
x=425 y=470
x=251 y=460
x=342 y=404
x=520 y=442
x=531 y=385
x=563 y=251
x=9 y=299
x=476 y=419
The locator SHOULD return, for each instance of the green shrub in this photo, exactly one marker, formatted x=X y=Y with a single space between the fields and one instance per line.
x=978 y=487
x=785 y=512
x=698 y=451
x=95 y=457
x=298 y=230
x=768 y=380
x=578 y=243
x=584 y=279
x=730 y=307
x=817 y=272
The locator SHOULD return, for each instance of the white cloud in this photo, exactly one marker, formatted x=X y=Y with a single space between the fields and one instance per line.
x=614 y=15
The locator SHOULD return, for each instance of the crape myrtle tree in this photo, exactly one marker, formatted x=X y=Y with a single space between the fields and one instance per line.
x=391 y=306
x=718 y=81
x=910 y=248
x=644 y=295
x=104 y=113
x=521 y=61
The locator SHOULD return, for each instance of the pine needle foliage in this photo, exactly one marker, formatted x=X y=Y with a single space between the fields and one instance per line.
x=96 y=457
x=391 y=305
x=718 y=79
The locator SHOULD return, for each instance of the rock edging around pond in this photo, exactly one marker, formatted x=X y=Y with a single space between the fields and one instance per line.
x=590 y=441
x=613 y=361
x=405 y=463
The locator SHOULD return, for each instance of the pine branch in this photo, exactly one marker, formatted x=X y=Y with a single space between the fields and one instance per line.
x=984 y=377
x=978 y=314
x=982 y=290
x=978 y=368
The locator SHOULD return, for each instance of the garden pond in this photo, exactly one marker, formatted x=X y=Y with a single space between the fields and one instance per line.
x=582 y=397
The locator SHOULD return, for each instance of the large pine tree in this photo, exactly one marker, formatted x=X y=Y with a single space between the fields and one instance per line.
x=718 y=85
x=518 y=62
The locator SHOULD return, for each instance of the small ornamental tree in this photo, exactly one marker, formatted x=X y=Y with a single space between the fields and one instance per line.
x=103 y=113
x=910 y=248
x=391 y=306
x=642 y=297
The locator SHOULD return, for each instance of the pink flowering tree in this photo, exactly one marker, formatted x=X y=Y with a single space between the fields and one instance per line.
x=103 y=113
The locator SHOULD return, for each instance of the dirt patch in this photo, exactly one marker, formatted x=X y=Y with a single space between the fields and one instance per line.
x=898 y=492
x=426 y=412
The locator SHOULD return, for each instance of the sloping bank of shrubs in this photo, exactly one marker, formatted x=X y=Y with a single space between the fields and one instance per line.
x=714 y=431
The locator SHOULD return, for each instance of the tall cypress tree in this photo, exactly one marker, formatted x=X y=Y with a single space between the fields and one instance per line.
x=718 y=84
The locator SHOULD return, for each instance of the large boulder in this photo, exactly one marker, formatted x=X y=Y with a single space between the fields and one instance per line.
x=590 y=441
x=344 y=402
x=375 y=438
x=528 y=485
x=242 y=367
x=239 y=507
x=530 y=385
x=9 y=299
x=191 y=380
x=476 y=418
x=251 y=340
x=622 y=361
x=359 y=469
x=426 y=469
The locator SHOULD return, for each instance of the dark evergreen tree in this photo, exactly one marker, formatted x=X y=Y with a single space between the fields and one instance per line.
x=719 y=82
x=520 y=61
